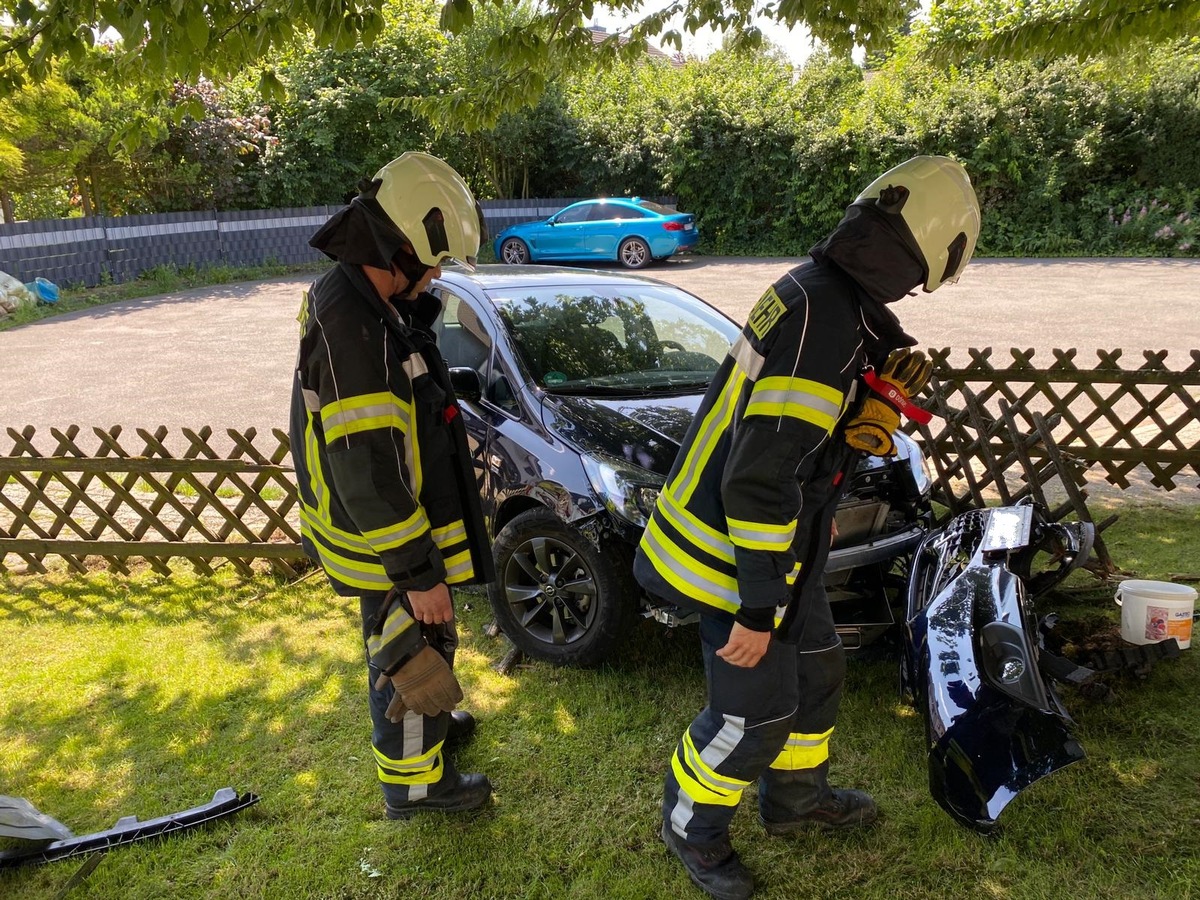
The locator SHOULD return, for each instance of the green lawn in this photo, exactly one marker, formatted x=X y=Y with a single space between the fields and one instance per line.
x=145 y=695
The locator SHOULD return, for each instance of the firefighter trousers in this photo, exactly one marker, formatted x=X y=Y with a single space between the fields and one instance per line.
x=771 y=722
x=408 y=754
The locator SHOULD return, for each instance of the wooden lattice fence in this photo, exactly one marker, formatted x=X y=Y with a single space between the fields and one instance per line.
x=116 y=496
x=203 y=495
x=1107 y=420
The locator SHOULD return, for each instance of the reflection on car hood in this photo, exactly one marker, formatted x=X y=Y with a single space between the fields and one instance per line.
x=646 y=431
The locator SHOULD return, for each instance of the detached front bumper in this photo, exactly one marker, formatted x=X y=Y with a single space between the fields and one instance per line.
x=994 y=722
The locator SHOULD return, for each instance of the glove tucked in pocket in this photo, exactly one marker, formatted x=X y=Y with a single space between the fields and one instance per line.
x=904 y=374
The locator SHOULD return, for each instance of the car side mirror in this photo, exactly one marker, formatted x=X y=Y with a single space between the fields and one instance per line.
x=467 y=383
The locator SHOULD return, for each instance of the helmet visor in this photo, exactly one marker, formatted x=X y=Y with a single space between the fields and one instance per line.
x=955 y=261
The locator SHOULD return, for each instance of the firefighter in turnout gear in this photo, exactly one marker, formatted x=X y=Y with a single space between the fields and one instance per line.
x=742 y=528
x=389 y=501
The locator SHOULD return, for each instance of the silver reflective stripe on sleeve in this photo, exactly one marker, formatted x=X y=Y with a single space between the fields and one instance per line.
x=414 y=367
x=748 y=359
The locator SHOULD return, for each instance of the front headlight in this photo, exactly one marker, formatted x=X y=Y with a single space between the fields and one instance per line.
x=910 y=451
x=627 y=490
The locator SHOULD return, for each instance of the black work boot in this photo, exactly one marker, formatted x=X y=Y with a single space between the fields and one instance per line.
x=843 y=808
x=714 y=868
x=462 y=726
x=467 y=792
x=797 y=800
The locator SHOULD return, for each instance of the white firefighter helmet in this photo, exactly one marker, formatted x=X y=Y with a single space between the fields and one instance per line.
x=431 y=205
x=933 y=196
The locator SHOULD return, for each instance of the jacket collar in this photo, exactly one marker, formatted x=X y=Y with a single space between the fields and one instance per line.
x=410 y=318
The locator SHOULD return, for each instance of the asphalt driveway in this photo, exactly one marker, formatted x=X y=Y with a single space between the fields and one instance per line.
x=223 y=356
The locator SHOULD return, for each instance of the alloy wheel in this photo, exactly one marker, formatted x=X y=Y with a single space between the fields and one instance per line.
x=551 y=590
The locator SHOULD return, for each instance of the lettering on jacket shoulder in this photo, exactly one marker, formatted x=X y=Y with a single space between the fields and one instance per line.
x=767 y=311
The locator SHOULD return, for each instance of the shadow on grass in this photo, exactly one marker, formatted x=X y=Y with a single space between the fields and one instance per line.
x=259 y=686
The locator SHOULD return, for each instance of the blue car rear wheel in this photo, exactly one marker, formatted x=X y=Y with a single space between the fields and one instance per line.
x=634 y=253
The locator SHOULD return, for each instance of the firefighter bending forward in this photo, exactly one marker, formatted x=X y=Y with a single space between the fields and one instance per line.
x=389 y=502
x=741 y=530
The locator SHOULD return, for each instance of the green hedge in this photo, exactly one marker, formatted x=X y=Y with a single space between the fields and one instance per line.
x=1067 y=160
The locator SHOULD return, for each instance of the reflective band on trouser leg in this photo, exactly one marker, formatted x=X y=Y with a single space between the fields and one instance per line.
x=408 y=754
x=699 y=780
x=416 y=771
x=701 y=794
x=803 y=751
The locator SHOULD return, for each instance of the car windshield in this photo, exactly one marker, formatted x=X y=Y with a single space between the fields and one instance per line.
x=616 y=339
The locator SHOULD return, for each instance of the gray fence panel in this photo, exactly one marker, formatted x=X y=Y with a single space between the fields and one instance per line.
x=88 y=250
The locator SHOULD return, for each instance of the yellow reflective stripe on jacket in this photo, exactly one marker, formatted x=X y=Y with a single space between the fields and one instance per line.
x=397 y=622
x=702 y=784
x=346 y=540
x=316 y=479
x=446 y=535
x=392 y=536
x=799 y=398
x=353 y=572
x=459 y=567
x=686 y=574
x=803 y=751
x=761 y=535
x=365 y=412
x=423 y=769
x=698 y=532
x=793 y=575
x=712 y=427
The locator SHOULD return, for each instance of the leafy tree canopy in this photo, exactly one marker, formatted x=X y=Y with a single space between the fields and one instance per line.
x=165 y=40
x=186 y=39
x=1018 y=29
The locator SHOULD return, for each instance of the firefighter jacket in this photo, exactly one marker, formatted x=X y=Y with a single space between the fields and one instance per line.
x=746 y=509
x=388 y=496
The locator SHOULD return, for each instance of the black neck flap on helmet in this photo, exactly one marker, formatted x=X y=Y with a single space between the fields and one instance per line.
x=361 y=233
x=874 y=247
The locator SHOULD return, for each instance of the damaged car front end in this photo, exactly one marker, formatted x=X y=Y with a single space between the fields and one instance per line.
x=973 y=647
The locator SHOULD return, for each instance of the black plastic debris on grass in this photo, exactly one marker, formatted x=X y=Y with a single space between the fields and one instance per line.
x=50 y=840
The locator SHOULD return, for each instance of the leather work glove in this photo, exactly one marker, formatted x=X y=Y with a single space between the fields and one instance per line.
x=904 y=374
x=425 y=684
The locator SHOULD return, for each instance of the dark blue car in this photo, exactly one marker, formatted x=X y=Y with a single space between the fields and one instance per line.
x=576 y=389
x=632 y=232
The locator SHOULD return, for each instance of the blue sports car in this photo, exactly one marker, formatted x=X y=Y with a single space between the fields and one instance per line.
x=631 y=231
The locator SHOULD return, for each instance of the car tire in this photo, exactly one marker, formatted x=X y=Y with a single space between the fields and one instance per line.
x=634 y=253
x=514 y=252
x=577 y=627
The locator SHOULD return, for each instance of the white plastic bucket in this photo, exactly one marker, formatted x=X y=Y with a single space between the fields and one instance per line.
x=1152 y=611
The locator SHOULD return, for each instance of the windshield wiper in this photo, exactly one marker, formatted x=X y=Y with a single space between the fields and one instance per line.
x=608 y=390
x=680 y=386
